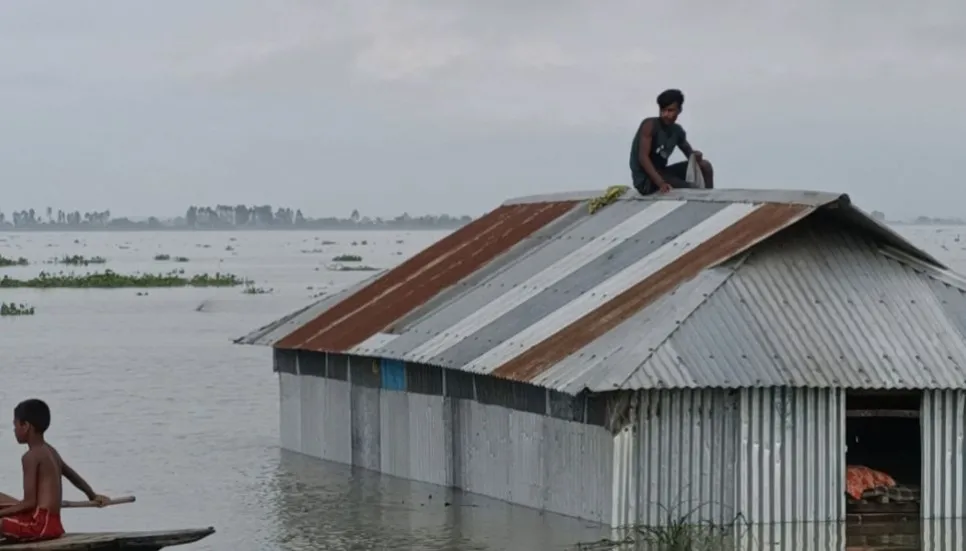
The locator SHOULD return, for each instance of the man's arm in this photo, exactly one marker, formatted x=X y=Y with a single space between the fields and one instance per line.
x=31 y=465
x=644 y=155
x=78 y=482
x=685 y=148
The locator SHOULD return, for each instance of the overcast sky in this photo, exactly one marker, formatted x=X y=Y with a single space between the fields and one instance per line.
x=447 y=105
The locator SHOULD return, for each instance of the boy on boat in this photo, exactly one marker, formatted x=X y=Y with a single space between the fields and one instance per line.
x=37 y=515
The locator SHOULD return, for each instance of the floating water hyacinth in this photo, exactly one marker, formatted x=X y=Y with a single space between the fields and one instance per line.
x=347 y=258
x=112 y=280
x=78 y=260
x=12 y=309
x=6 y=262
x=351 y=268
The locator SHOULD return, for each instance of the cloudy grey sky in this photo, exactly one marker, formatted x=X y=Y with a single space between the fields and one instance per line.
x=451 y=105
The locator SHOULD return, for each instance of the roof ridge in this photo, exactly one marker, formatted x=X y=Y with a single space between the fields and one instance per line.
x=727 y=195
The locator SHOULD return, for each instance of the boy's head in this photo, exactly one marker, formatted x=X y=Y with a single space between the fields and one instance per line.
x=30 y=417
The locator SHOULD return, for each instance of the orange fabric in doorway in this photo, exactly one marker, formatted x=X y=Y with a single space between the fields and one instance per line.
x=860 y=478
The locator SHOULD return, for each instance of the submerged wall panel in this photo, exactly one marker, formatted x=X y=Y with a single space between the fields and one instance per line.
x=488 y=451
x=311 y=395
x=366 y=427
x=578 y=469
x=394 y=433
x=943 y=535
x=290 y=411
x=520 y=457
x=430 y=439
x=687 y=456
x=798 y=536
x=759 y=456
x=791 y=455
x=336 y=421
x=943 y=422
x=527 y=440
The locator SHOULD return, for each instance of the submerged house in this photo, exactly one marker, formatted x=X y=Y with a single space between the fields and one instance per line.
x=723 y=353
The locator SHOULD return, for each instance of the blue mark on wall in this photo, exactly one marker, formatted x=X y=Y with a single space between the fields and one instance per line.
x=393 y=374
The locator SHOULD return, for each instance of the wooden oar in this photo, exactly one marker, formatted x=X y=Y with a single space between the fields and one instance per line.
x=89 y=504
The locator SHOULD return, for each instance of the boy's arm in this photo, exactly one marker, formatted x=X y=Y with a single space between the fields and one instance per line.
x=29 y=502
x=78 y=482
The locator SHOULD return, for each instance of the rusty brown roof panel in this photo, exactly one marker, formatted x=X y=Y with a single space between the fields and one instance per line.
x=746 y=232
x=415 y=281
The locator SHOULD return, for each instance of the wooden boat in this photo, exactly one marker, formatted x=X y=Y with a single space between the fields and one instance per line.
x=114 y=541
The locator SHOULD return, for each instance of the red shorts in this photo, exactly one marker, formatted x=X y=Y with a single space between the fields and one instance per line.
x=39 y=525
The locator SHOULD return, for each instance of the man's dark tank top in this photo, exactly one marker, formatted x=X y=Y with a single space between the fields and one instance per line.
x=664 y=139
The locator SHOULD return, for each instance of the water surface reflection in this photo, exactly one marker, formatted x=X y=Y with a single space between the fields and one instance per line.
x=324 y=505
x=941 y=535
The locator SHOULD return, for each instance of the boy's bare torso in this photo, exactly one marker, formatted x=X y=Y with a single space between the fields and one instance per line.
x=50 y=488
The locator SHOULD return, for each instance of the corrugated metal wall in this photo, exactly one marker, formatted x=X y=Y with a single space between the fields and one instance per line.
x=416 y=437
x=687 y=456
x=755 y=456
x=624 y=495
x=758 y=455
x=534 y=460
x=520 y=457
x=944 y=535
x=943 y=422
x=802 y=536
x=791 y=455
x=290 y=412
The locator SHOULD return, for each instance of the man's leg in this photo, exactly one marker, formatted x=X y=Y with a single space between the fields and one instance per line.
x=676 y=175
x=708 y=172
x=645 y=187
x=6 y=500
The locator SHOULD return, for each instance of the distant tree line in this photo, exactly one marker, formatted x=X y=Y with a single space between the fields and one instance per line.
x=938 y=221
x=921 y=220
x=222 y=217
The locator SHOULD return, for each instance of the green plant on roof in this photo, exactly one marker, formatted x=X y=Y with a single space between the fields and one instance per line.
x=612 y=194
x=112 y=280
x=7 y=262
x=13 y=309
x=347 y=258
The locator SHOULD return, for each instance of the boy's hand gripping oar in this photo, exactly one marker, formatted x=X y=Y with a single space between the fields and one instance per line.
x=94 y=504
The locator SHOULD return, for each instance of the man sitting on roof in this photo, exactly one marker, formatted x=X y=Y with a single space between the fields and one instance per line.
x=654 y=142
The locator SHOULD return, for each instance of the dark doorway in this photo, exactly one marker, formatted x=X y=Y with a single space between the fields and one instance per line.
x=884 y=437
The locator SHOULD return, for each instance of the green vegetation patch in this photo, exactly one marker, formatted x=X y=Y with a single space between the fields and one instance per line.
x=13 y=309
x=111 y=280
x=351 y=268
x=78 y=260
x=347 y=258
x=6 y=262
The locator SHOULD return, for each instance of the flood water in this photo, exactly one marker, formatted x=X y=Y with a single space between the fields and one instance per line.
x=151 y=398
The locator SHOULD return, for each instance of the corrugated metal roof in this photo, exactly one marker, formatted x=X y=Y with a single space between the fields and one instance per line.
x=275 y=331
x=544 y=292
x=795 y=314
x=417 y=280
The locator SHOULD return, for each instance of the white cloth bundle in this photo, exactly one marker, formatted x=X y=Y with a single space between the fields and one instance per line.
x=693 y=175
